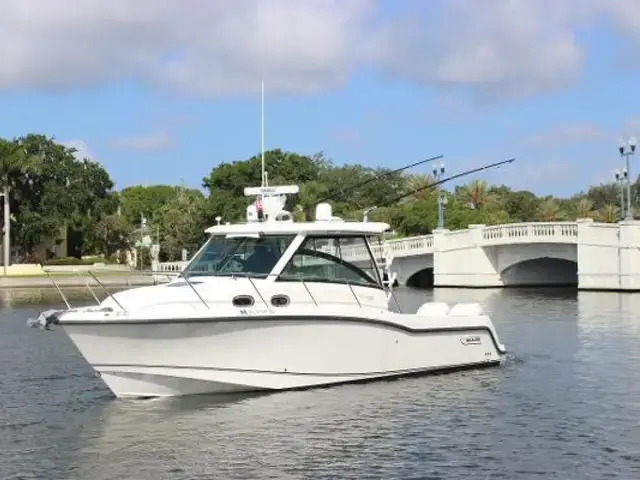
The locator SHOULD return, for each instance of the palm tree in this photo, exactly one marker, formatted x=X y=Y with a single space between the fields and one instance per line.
x=584 y=208
x=16 y=162
x=419 y=182
x=548 y=210
x=609 y=213
x=477 y=194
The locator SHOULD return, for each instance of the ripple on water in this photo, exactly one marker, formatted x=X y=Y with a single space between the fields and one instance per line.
x=564 y=405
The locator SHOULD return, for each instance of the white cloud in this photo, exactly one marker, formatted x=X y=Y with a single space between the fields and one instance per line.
x=208 y=47
x=581 y=133
x=624 y=15
x=508 y=48
x=569 y=133
x=81 y=149
x=149 y=142
x=505 y=48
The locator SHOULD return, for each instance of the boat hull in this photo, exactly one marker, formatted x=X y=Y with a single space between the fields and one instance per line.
x=243 y=355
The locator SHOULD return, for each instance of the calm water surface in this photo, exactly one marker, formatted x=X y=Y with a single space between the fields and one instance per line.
x=565 y=405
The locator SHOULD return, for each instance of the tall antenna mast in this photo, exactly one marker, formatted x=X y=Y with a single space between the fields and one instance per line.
x=262 y=132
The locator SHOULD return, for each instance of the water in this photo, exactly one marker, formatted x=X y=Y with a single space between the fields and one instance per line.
x=565 y=405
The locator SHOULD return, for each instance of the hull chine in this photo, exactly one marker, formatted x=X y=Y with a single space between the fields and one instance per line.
x=152 y=382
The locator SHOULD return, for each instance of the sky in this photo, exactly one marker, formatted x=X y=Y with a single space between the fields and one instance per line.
x=161 y=91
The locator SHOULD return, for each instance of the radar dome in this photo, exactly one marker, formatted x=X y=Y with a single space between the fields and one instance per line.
x=324 y=212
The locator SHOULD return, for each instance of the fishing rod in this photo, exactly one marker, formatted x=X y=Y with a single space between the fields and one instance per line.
x=439 y=182
x=378 y=177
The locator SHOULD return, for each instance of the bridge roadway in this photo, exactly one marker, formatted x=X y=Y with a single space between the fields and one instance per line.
x=593 y=256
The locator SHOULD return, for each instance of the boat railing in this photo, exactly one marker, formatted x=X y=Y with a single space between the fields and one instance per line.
x=92 y=275
x=87 y=275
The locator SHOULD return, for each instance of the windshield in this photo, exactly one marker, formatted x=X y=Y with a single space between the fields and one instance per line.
x=332 y=260
x=252 y=256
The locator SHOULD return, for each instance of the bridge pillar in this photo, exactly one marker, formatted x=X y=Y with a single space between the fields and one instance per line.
x=630 y=255
x=460 y=260
x=609 y=256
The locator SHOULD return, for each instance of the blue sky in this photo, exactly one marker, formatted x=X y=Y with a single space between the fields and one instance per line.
x=378 y=83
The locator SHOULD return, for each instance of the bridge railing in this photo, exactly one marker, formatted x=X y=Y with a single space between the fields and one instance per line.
x=176 y=267
x=547 y=232
x=400 y=247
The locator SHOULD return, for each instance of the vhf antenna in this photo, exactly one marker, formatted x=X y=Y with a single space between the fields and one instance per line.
x=262 y=181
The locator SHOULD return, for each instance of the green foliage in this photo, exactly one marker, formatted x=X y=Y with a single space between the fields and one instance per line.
x=226 y=182
x=53 y=191
x=182 y=224
x=112 y=233
x=139 y=201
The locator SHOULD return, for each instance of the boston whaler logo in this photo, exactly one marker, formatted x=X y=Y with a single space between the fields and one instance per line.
x=471 y=340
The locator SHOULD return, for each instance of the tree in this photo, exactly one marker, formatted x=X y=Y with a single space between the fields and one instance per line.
x=608 y=213
x=519 y=206
x=145 y=201
x=549 y=210
x=227 y=181
x=182 y=224
x=603 y=194
x=19 y=166
x=52 y=190
x=54 y=195
x=113 y=233
x=584 y=208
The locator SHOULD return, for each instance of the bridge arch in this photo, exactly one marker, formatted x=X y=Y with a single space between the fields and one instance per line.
x=421 y=279
x=538 y=264
x=416 y=271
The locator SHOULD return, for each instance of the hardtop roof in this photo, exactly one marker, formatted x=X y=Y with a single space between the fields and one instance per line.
x=330 y=227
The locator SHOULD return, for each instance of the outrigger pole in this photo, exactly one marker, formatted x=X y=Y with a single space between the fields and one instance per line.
x=377 y=177
x=447 y=179
x=412 y=192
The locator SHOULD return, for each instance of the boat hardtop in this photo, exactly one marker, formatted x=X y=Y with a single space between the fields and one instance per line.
x=318 y=227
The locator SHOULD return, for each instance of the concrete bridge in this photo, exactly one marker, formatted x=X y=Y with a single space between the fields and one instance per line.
x=593 y=256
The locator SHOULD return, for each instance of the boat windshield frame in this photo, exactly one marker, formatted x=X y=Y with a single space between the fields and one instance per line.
x=255 y=255
x=352 y=274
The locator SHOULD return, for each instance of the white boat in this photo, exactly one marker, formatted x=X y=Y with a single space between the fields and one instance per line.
x=270 y=305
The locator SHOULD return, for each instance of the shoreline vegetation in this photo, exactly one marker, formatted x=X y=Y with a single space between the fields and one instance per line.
x=51 y=190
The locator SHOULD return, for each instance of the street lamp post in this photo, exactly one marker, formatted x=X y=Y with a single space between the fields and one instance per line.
x=366 y=213
x=6 y=230
x=620 y=176
x=438 y=173
x=628 y=149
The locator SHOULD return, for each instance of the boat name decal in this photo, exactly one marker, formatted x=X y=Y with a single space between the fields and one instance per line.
x=253 y=311
x=471 y=340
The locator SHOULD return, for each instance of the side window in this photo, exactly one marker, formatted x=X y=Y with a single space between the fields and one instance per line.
x=322 y=259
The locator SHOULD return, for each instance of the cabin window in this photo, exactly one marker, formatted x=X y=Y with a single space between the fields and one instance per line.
x=328 y=259
x=243 y=301
x=253 y=256
x=280 y=300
